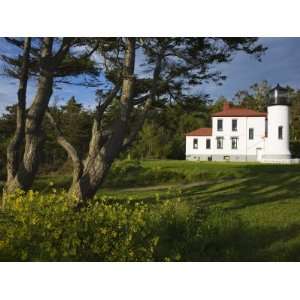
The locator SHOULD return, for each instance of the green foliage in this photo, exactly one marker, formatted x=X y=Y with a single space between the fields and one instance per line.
x=123 y=167
x=47 y=227
x=231 y=212
x=75 y=122
x=134 y=173
x=163 y=134
x=256 y=98
x=295 y=117
x=295 y=148
x=7 y=127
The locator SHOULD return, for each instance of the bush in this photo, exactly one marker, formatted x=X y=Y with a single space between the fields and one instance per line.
x=38 y=227
x=122 y=167
x=295 y=149
x=47 y=227
x=124 y=173
x=131 y=173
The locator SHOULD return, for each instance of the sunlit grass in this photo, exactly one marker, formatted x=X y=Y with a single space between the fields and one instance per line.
x=252 y=211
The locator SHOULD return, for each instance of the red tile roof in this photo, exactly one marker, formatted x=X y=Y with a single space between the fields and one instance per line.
x=200 y=132
x=238 y=112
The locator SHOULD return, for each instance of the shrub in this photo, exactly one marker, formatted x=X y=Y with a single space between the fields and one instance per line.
x=40 y=227
x=124 y=173
x=47 y=227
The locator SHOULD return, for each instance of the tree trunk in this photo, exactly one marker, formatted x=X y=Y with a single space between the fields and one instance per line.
x=27 y=168
x=105 y=148
x=14 y=147
x=87 y=185
x=29 y=165
x=102 y=154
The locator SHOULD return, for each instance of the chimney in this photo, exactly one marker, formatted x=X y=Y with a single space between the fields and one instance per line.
x=226 y=105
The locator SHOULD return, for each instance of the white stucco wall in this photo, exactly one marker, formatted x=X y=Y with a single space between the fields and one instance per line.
x=245 y=146
x=278 y=115
x=201 y=145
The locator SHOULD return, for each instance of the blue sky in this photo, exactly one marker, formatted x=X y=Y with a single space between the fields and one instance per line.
x=280 y=64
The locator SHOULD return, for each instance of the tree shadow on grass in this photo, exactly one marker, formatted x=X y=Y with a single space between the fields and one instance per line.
x=241 y=193
x=242 y=242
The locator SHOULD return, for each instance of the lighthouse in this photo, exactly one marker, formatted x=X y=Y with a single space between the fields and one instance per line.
x=277 y=125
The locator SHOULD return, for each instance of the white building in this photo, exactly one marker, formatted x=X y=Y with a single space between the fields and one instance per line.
x=240 y=134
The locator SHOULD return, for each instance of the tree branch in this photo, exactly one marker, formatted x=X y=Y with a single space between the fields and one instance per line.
x=63 y=50
x=153 y=93
x=108 y=100
x=61 y=140
x=141 y=100
x=87 y=55
x=138 y=126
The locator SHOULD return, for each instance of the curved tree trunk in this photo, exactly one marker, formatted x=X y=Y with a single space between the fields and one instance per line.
x=103 y=151
x=86 y=187
x=105 y=147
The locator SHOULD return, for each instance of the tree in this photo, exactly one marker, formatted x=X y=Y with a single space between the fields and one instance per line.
x=174 y=67
x=295 y=116
x=39 y=60
x=218 y=104
x=7 y=128
x=163 y=134
x=255 y=98
x=75 y=122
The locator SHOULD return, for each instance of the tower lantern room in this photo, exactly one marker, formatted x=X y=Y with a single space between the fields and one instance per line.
x=279 y=96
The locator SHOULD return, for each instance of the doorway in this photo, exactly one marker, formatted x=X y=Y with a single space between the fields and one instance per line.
x=259 y=154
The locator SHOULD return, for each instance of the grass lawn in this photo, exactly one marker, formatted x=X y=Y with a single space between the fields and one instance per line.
x=265 y=199
x=253 y=210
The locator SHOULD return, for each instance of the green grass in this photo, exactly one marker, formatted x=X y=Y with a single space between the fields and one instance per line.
x=252 y=211
x=264 y=200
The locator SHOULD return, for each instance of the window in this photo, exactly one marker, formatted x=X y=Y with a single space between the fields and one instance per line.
x=219 y=142
x=208 y=144
x=234 y=141
x=251 y=133
x=234 y=125
x=220 y=125
x=280 y=133
x=195 y=143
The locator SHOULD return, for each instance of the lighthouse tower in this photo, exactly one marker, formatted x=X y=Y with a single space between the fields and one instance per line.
x=277 y=140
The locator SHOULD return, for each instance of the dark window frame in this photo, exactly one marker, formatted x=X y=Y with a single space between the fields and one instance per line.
x=280 y=132
x=251 y=134
x=234 y=145
x=195 y=145
x=208 y=143
x=221 y=145
x=234 y=127
x=220 y=122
